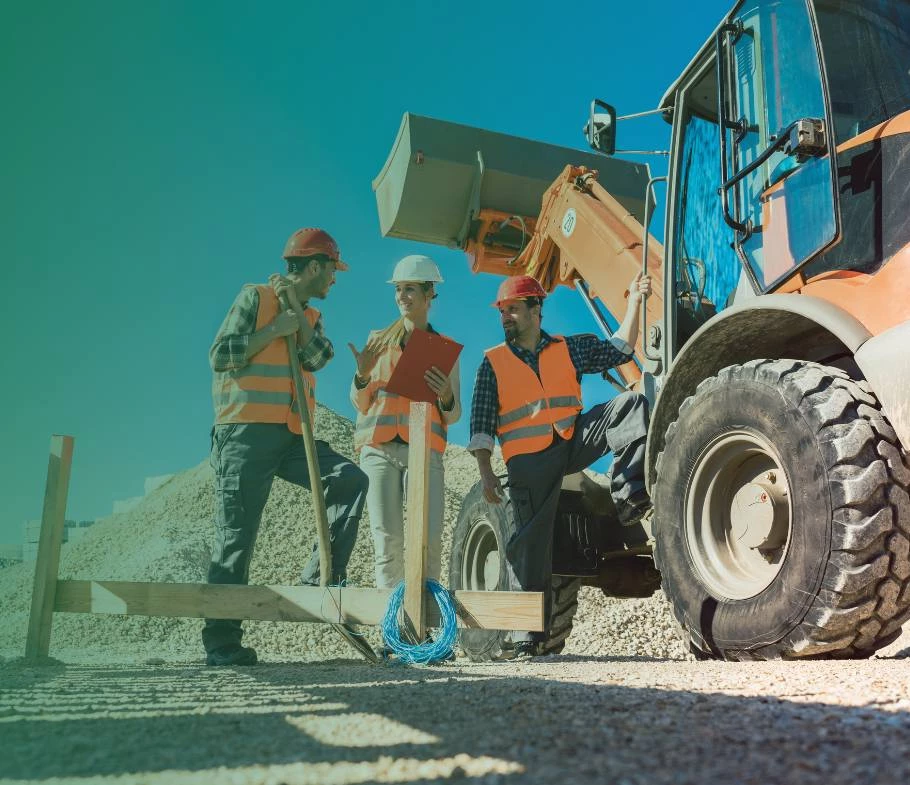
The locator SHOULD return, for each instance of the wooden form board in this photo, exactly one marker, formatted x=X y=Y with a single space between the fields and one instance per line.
x=47 y=564
x=486 y=610
x=482 y=609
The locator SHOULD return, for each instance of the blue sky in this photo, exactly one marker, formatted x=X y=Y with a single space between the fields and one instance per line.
x=157 y=155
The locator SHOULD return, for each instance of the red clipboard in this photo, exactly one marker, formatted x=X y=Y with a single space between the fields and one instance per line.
x=422 y=351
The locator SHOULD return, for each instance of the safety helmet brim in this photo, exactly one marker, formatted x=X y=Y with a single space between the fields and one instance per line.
x=519 y=287
x=416 y=268
x=313 y=242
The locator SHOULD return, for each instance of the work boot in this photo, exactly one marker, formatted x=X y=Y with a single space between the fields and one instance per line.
x=630 y=511
x=232 y=654
x=518 y=651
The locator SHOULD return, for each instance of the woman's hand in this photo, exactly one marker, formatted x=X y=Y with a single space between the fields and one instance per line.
x=441 y=385
x=366 y=359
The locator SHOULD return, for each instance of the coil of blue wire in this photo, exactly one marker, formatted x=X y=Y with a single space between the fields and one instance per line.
x=430 y=650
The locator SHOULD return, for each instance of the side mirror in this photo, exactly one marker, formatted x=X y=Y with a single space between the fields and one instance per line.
x=600 y=130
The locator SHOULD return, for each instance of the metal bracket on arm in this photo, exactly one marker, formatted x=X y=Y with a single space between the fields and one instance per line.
x=524 y=235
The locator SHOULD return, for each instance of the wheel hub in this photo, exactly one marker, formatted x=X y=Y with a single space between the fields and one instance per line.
x=491 y=570
x=738 y=515
x=758 y=515
x=480 y=566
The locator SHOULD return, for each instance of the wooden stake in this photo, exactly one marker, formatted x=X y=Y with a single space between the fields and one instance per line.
x=416 y=532
x=53 y=517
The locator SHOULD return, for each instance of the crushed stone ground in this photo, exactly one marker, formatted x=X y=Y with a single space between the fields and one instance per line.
x=562 y=719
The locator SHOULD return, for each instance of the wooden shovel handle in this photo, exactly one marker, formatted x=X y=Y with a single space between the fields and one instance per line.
x=312 y=460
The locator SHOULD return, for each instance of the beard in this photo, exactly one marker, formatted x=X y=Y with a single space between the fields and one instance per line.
x=510 y=331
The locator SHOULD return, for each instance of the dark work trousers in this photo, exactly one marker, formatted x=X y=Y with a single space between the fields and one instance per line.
x=620 y=426
x=246 y=458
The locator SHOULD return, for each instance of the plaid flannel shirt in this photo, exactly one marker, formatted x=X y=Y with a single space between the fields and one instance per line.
x=228 y=352
x=589 y=354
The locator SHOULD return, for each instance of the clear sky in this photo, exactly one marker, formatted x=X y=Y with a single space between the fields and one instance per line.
x=156 y=155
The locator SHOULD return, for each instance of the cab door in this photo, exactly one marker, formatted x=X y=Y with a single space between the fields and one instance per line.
x=778 y=164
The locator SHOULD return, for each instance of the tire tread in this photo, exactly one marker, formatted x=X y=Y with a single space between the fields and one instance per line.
x=864 y=596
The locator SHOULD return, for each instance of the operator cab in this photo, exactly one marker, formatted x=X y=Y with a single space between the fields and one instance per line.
x=757 y=202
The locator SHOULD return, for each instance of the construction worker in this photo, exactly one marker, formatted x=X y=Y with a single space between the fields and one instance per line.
x=381 y=433
x=257 y=432
x=528 y=395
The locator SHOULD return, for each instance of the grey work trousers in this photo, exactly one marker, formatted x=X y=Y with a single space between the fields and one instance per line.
x=246 y=458
x=620 y=426
x=386 y=468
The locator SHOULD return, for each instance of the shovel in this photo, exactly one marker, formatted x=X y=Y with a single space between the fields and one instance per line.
x=322 y=522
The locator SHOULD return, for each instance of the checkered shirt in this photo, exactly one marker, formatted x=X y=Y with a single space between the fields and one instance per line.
x=228 y=352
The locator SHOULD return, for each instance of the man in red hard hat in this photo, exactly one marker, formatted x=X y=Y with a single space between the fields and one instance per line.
x=257 y=432
x=527 y=394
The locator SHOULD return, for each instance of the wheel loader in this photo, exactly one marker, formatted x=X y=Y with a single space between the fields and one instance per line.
x=775 y=347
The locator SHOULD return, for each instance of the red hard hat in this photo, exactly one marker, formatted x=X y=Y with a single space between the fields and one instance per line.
x=517 y=288
x=313 y=242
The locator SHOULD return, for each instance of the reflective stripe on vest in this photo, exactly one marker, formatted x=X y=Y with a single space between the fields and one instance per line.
x=531 y=408
x=388 y=415
x=263 y=390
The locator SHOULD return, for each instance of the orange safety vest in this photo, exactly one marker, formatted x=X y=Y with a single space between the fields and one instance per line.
x=388 y=413
x=531 y=408
x=263 y=390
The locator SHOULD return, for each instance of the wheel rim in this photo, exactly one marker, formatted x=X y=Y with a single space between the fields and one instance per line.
x=480 y=567
x=738 y=515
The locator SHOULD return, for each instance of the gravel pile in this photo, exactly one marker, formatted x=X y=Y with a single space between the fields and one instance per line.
x=167 y=538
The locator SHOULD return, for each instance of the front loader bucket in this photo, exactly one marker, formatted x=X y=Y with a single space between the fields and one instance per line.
x=440 y=175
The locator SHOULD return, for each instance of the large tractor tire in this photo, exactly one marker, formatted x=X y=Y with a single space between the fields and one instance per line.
x=478 y=563
x=781 y=516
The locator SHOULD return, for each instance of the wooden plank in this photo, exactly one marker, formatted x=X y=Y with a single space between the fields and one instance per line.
x=417 y=529
x=53 y=517
x=489 y=610
x=497 y=610
x=204 y=600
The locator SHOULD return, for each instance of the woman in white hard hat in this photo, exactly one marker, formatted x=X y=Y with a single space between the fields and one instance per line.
x=381 y=434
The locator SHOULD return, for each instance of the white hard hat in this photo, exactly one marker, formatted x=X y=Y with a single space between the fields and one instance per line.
x=416 y=267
